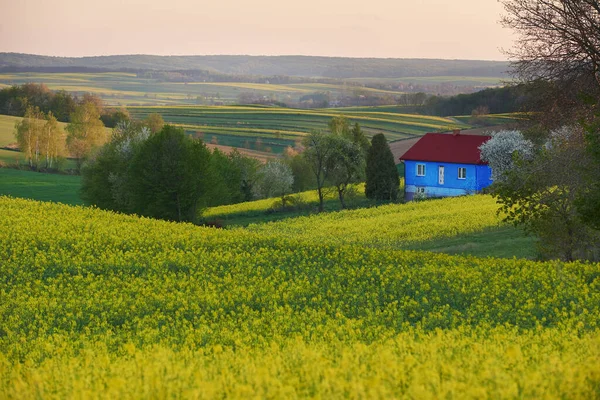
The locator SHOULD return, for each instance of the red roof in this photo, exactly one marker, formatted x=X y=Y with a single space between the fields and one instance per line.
x=447 y=147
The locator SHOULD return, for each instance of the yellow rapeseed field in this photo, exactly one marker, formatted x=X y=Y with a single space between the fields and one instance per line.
x=99 y=305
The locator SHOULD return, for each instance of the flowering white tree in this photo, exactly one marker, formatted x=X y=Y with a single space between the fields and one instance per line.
x=500 y=150
x=276 y=179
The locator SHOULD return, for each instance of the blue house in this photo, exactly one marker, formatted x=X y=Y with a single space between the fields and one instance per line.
x=442 y=165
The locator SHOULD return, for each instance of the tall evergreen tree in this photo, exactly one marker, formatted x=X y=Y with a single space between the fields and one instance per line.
x=383 y=181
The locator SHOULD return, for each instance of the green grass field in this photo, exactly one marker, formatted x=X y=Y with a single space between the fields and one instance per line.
x=40 y=186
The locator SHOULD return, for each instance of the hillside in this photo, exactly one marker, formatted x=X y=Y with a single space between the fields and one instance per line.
x=155 y=308
x=305 y=66
x=277 y=128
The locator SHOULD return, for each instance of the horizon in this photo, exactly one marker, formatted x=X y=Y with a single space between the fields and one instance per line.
x=252 y=55
x=432 y=29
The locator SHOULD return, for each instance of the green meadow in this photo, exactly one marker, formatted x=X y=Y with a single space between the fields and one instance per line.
x=40 y=186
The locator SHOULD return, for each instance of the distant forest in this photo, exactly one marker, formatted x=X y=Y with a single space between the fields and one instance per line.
x=293 y=66
x=516 y=98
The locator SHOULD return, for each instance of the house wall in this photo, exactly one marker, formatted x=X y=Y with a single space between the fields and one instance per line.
x=478 y=177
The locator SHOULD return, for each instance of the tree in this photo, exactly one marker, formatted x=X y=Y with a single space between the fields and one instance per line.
x=383 y=181
x=276 y=180
x=28 y=133
x=39 y=138
x=558 y=50
x=540 y=194
x=226 y=187
x=62 y=105
x=588 y=201
x=154 y=122
x=111 y=117
x=359 y=138
x=339 y=126
x=248 y=173
x=105 y=178
x=52 y=141
x=317 y=153
x=171 y=176
x=85 y=132
x=557 y=39
x=303 y=175
x=500 y=151
x=345 y=165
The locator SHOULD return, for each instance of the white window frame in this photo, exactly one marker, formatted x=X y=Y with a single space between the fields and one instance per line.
x=418 y=167
x=420 y=190
x=465 y=172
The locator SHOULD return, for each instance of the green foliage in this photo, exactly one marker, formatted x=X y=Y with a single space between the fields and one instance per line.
x=540 y=195
x=105 y=179
x=111 y=117
x=40 y=139
x=248 y=173
x=85 y=132
x=16 y=99
x=154 y=122
x=383 y=180
x=588 y=202
x=359 y=138
x=303 y=176
x=502 y=100
x=345 y=164
x=317 y=155
x=228 y=174
x=170 y=176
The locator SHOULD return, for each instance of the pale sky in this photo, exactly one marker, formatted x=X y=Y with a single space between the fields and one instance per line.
x=451 y=29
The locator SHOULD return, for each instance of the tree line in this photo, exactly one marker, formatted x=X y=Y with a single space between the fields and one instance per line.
x=171 y=175
x=45 y=144
x=546 y=174
x=15 y=100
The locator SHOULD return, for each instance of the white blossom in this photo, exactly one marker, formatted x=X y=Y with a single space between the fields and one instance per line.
x=499 y=151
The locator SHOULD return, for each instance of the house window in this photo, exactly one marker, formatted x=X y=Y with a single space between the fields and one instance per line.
x=420 y=169
x=420 y=190
x=462 y=173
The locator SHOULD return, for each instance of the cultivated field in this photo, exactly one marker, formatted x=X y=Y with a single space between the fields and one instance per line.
x=101 y=305
x=120 y=88
x=117 y=88
x=412 y=226
x=259 y=128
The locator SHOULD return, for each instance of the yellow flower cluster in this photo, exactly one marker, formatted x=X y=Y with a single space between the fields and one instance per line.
x=391 y=225
x=96 y=304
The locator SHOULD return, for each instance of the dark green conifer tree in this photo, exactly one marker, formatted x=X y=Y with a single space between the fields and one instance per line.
x=383 y=181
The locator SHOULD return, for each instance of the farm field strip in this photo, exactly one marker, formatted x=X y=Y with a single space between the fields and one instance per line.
x=147 y=306
x=288 y=122
x=122 y=88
